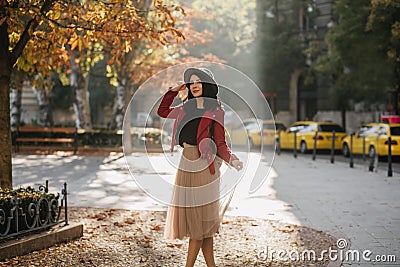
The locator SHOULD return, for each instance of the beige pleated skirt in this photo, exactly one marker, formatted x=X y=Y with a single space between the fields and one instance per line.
x=196 y=211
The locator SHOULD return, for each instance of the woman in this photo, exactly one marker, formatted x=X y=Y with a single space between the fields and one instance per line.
x=196 y=211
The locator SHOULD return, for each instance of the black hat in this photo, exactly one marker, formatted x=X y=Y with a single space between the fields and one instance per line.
x=205 y=75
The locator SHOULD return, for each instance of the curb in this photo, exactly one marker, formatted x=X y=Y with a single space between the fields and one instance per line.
x=55 y=235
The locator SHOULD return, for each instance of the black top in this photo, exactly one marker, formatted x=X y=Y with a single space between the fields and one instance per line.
x=187 y=131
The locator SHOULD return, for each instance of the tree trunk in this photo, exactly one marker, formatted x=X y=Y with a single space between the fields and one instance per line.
x=5 y=131
x=127 y=139
x=45 y=118
x=15 y=107
x=293 y=94
x=119 y=105
x=81 y=96
x=343 y=114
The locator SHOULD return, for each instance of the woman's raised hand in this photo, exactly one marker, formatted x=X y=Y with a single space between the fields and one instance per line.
x=179 y=86
x=237 y=164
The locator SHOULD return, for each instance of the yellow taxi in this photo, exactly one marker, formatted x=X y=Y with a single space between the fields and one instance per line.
x=306 y=132
x=386 y=130
x=376 y=140
x=364 y=139
x=250 y=132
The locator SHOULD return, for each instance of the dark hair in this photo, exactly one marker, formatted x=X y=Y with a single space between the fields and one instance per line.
x=211 y=100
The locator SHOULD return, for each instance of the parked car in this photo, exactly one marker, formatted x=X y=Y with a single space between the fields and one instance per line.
x=364 y=139
x=270 y=128
x=376 y=139
x=250 y=132
x=306 y=133
x=386 y=130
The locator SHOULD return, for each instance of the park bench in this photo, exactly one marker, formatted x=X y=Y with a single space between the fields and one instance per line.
x=45 y=135
x=100 y=138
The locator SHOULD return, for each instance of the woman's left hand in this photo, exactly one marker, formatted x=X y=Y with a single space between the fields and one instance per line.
x=237 y=164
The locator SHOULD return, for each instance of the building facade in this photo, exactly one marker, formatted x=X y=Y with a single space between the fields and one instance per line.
x=305 y=92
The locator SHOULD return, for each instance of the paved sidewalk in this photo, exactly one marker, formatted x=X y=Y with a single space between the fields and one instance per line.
x=348 y=203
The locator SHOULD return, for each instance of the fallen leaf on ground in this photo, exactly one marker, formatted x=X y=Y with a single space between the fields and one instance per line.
x=156 y=228
x=172 y=245
x=129 y=221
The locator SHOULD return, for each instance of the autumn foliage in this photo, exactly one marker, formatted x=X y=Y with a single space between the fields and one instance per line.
x=37 y=36
x=53 y=26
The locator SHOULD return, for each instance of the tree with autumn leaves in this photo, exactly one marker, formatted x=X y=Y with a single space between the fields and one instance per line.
x=40 y=36
x=148 y=57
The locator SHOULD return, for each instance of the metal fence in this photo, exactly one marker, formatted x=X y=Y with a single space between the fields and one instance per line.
x=33 y=213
